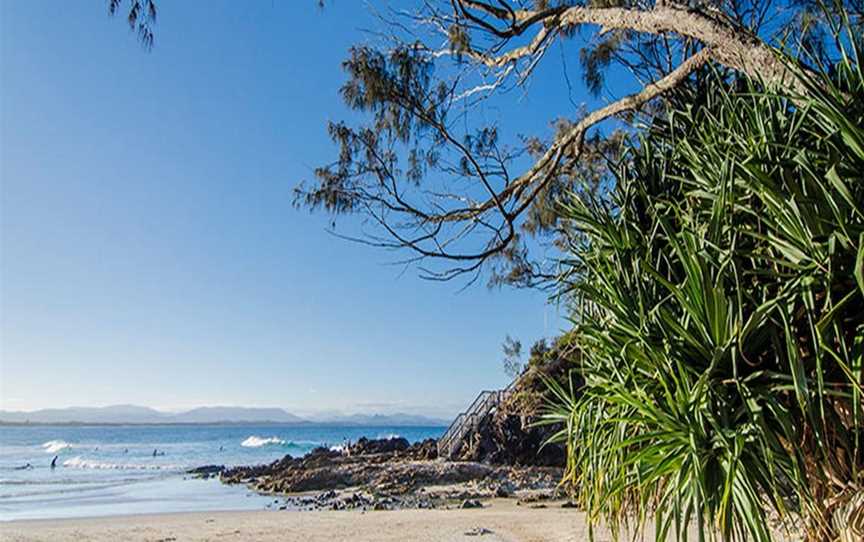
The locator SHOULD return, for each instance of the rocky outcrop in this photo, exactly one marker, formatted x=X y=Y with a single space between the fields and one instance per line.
x=510 y=435
x=206 y=471
x=389 y=470
x=365 y=446
x=422 y=451
x=508 y=439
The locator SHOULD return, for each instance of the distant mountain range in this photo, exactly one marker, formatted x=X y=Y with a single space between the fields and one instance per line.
x=380 y=419
x=131 y=414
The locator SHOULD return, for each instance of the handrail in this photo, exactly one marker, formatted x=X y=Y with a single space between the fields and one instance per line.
x=468 y=420
x=457 y=423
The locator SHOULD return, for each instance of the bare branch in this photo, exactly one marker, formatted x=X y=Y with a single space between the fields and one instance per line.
x=574 y=138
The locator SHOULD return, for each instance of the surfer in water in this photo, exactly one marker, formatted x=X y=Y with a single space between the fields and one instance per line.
x=54 y=462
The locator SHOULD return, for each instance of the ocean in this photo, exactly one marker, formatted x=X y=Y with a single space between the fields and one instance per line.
x=110 y=470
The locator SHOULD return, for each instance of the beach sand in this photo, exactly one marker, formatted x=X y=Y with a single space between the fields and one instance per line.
x=499 y=520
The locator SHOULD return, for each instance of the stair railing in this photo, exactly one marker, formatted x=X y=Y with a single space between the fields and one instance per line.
x=468 y=421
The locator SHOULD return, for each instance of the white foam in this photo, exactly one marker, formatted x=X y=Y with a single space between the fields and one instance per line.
x=257 y=442
x=54 y=446
x=80 y=463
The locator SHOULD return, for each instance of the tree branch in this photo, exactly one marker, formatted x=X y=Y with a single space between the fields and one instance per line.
x=574 y=138
x=730 y=44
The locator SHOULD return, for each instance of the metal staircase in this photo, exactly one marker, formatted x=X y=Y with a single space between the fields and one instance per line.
x=467 y=422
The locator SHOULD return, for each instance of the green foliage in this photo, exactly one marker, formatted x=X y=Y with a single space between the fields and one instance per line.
x=546 y=362
x=141 y=17
x=720 y=318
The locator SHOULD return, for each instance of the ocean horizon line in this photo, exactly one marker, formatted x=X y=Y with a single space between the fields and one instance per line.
x=438 y=423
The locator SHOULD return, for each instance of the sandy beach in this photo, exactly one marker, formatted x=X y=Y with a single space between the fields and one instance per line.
x=499 y=520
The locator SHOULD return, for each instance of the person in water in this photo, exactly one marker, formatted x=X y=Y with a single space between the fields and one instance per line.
x=54 y=462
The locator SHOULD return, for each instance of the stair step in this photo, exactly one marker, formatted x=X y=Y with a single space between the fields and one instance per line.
x=466 y=422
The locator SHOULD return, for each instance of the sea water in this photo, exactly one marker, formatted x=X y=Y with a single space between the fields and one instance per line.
x=109 y=470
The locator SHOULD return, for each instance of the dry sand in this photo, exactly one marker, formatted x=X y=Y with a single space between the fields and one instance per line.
x=501 y=519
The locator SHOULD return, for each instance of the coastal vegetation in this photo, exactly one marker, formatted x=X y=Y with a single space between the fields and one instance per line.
x=718 y=304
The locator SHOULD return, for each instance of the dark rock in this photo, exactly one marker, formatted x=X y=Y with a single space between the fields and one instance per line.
x=478 y=531
x=366 y=446
x=329 y=495
x=504 y=490
x=508 y=439
x=471 y=503
x=206 y=469
x=569 y=504
x=422 y=451
x=242 y=475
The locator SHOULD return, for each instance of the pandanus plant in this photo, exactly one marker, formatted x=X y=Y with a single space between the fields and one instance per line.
x=718 y=307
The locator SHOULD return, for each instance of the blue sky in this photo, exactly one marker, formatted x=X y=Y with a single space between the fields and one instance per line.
x=149 y=252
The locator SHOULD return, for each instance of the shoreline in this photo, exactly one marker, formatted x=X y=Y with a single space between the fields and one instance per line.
x=499 y=519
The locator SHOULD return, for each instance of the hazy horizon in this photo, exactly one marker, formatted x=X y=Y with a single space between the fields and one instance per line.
x=312 y=414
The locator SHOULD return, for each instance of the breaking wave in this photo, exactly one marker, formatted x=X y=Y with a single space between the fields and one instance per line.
x=54 y=446
x=257 y=442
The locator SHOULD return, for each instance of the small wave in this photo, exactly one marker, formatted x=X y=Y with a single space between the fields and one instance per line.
x=54 y=446
x=390 y=436
x=304 y=443
x=257 y=442
x=79 y=463
x=52 y=482
x=337 y=448
x=10 y=499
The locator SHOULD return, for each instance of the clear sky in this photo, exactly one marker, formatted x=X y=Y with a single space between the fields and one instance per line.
x=149 y=253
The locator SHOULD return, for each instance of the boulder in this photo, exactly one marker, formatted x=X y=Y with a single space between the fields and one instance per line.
x=366 y=446
x=508 y=439
x=422 y=451
x=207 y=469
